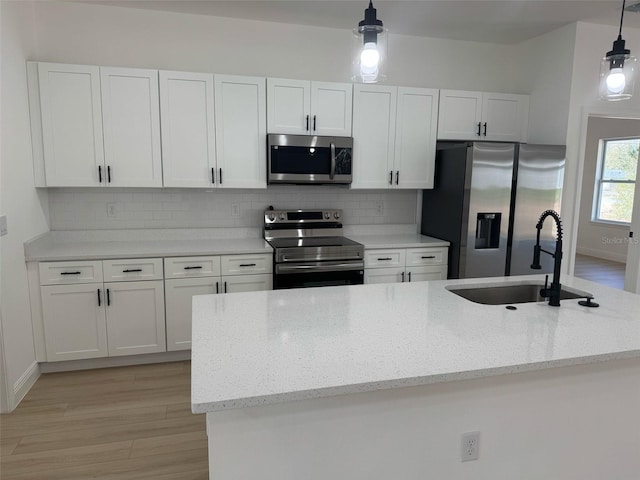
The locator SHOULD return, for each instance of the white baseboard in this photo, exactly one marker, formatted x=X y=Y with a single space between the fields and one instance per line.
x=24 y=384
x=592 y=252
x=90 y=363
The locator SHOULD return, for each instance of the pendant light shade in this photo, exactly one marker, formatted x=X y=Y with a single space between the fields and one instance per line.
x=369 y=50
x=618 y=70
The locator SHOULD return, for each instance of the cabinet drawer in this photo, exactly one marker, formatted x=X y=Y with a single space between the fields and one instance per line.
x=384 y=258
x=187 y=267
x=59 y=273
x=422 y=274
x=246 y=264
x=131 y=270
x=426 y=256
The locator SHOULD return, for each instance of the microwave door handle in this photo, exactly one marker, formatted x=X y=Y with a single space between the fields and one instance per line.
x=333 y=160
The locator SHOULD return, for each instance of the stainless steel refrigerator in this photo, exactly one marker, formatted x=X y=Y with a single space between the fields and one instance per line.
x=486 y=201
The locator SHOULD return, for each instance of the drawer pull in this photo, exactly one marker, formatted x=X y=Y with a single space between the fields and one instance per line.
x=384 y=258
x=192 y=268
x=99 y=299
x=129 y=270
x=429 y=256
x=225 y=287
x=108 y=298
x=409 y=274
x=70 y=273
x=402 y=275
x=247 y=264
x=217 y=288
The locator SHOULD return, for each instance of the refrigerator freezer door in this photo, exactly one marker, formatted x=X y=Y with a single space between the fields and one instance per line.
x=485 y=252
x=539 y=188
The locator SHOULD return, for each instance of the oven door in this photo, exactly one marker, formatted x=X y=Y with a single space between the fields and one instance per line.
x=303 y=159
x=318 y=274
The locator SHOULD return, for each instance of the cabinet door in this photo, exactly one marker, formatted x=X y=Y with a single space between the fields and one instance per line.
x=423 y=274
x=383 y=275
x=188 y=132
x=460 y=115
x=416 y=128
x=505 y=116
x=135 y=317
x=71 y=124
x=331 y=108
x=288 y=106
x=131 y=117
x=241 y=129
x=374 y=130
x=247 y=283
x=74 y=321
x=178 y=296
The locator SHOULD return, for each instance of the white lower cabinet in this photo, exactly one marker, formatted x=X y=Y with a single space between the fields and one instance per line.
x=247 y=283
x=135 y=317
x=392 y=265
x=74 y=321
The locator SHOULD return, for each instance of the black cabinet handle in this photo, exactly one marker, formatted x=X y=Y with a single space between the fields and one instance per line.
x=391 y=177
x=485 y=129
x=132 y=270
x=217 y=287
x=192 y=268
x=108 y=297
x=99 y=173
x=247 y=264
x=479 y=126
x=70 y=273
x=429 y=256
x=384 y=258
x=409 y=276
x=109 y=173
x=314 y=123
x=213 y=175
x=307 y=127
x=99 y=300
x=220 y=176
x=402 y=275
x=397 y=176
x=225 y=287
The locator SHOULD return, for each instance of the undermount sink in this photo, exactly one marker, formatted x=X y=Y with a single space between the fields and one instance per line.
x=506 y=294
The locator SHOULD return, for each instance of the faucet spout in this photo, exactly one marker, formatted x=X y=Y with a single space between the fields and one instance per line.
x=553 y=292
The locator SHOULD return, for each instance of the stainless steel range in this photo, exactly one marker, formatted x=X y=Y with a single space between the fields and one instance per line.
x=310 y=250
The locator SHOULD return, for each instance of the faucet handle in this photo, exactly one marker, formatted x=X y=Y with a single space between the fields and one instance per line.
x=544 y=292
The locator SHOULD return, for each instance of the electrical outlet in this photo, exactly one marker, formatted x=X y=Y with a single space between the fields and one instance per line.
x=470 y=446
x=3 y=226
x=111 y=210
x=378 y=206
x=235 y=210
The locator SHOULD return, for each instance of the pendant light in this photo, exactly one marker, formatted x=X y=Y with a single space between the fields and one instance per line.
x=369 y=49
x=617 y=70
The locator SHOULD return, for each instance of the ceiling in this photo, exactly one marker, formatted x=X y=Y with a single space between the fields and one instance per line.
x=493 y=21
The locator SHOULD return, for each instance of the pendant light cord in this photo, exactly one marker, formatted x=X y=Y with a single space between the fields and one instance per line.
x=621 y=18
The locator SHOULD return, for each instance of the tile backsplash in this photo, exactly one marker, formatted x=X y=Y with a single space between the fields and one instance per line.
x=120 y=208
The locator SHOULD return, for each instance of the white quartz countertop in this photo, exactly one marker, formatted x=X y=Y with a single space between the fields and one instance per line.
x=56 y=247
x=401 y=240
x=268 y=347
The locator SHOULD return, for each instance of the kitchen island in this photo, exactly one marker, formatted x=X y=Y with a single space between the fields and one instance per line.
x=380 y=381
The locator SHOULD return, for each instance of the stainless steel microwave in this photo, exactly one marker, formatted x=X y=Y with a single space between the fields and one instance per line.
x=301 y=159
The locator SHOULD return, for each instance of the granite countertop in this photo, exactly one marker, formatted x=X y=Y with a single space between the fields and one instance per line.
x=275 y=346
x=400 y=240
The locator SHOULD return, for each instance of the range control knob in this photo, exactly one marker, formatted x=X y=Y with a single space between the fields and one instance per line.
x=283 y=216
x=336 y=215
x=327 y=215
x=272 y=217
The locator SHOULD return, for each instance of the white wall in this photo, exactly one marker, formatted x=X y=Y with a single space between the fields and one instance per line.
x=25 y=208
x=595 y=238
x=592 y=42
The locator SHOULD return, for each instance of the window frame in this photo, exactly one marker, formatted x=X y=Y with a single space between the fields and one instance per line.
x=599 y=181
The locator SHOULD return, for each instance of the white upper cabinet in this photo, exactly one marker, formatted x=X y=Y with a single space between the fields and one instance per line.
x=188 y=132
x=374 y=127
x=415 y=145
x=131 y=123
x=71 y=118
x=309 y=108
x=483 y=116
x=394 y=136
x=240 y=113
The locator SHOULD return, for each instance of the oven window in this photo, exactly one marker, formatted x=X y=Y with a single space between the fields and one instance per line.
x=318 y=279
x=300 y=160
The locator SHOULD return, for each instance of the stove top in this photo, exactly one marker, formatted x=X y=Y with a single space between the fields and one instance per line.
x=313 y=242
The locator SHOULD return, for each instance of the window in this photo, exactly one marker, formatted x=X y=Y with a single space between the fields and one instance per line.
x=616 y=179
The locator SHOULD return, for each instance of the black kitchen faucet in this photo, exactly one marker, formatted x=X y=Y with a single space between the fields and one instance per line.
x=552 y=292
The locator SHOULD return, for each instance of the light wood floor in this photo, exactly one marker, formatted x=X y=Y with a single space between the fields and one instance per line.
x=109 y=424
x=600 y=271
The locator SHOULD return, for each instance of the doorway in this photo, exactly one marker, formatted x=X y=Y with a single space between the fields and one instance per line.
x=609 y=209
